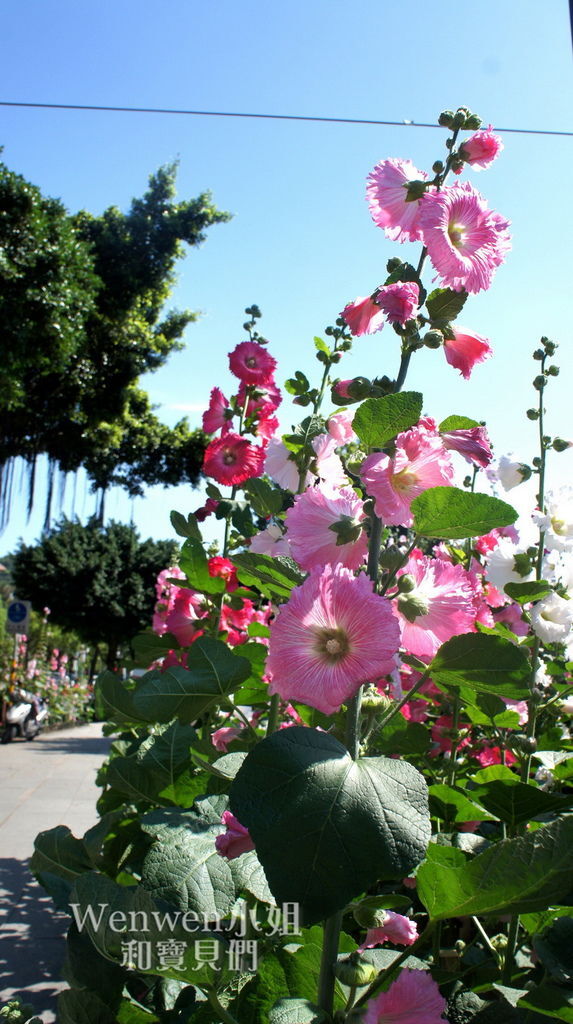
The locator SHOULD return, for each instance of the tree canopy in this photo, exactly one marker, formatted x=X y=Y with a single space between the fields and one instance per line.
x=98 y=581
x=82 y=307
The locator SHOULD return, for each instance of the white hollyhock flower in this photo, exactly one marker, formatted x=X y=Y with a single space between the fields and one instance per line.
x=558 y=522
x=552 y=619
x=511 y=473
x=500 y=564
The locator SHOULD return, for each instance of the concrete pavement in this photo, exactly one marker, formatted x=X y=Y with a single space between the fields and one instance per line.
x=48 y=782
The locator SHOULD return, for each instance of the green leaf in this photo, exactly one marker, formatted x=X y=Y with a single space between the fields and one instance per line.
x=185 y=527
x=482 y=662
x=401 y=737
x=303 y=783
x=444 y=304
x=449 y=513
x=457 y=423
x=514 y=876
x=320 y=344
x=114 y=701
x=265 y=499
x=523 y=593
x=450 y=804
x=499 y=790
x=296 y=1011
x=550 y=1001
x=487 y=709
x=554 y=947
x=148 y=647
x=273 y=577
x=378 y=420
x=58 y=859
x=85 y=968
x=83 y=1007
x=194 y=563
x=213 y=672
x=128 y=776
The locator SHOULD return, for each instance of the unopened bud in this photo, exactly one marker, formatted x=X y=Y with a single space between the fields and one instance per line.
x=369 y=917
x=373 y=700
x=392 y=558
x=359 y=388
x=412 y=605
x=355 y=972
x=406 y=583
x=550 y=346
x=415 y=190
x=532 y=414
x=459 y=118
x=539 y=382
x=527 y=744
x=433 y=339
x=446 y=118
x=538 y=354
x=552 y=371
x=393 y=264
x=473 y=122
x=437 y=167
x=560 y=445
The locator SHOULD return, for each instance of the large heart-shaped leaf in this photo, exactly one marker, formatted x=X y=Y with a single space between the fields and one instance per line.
x=327 y=827
x=484 y=663
x=452 y=514
x=378 y=420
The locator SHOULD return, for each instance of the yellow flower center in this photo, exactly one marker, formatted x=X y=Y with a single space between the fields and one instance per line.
x=403 y=480
x=331 y=644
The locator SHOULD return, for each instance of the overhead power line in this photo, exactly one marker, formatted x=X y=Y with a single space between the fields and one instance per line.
x=269 y=117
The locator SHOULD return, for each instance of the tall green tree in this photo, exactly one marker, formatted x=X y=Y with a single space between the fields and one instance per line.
x=98 y=581
x=82 y=303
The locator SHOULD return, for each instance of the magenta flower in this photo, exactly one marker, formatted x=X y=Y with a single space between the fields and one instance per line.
x=324 y=526
x=466 y=242
x=218 y=415
x=363 y=316
x=264 y=398
x=481 y=149
x=472 y=443
x=396 y=928
x=420 y=461
x=399 y=301
x=440 y=605
x=232 y=459
x=414 y=998
x=223 y=736
x=251 y=363
x=236 y=840
x=466 y=349
x=183 y=620
x=387 y=196
x=332 y=635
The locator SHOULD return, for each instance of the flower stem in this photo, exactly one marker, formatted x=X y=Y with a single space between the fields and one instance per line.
x=326 y=979
x=273 y=714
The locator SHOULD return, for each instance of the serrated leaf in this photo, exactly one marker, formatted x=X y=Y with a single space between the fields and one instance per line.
x=449 y=513
x=265 y=499
x=114 y=700
x=550 y=1001
x=58 y=860
x=296 y=1011
x=514 y=876
x=149 y=647
x=444 y=304
x=273 y=577
x=524 y=593
x=457 y=423
x=554 y=947
x=378 y=420
x=453 y=806
x=483 y=662
x=320 y=344
x=301 y=782
x=499 y=790
x=185 y=527
x=194 y=563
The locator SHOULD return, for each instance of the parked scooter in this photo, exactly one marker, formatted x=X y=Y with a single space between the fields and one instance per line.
x=25 y=715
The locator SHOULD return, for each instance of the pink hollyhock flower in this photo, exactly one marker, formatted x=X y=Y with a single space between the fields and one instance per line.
x=311 y=529
x=280 y=465
x=481 y=149
x=339 y=427
x=205 y=510
x=270 y=541
x=512 y=616
x=264 y=398
x=236 y=840
x=332 y=635
x=182 y=619
x=441 y=735
x=414 y=998
x=341 y=388
x=363 y=316
x=328 y=464
x=399 y=301
x=440 y=605
x=232 y=459
x=466 y=349
x=396 y=928
x=472 y=443
x=421 y=461
x=387 y=196
x=520 y=707
x=466 y=242
x=224 y=568
x=175 y=659
x=488 y=756
x=266 y=427
x=251 y=363
x=215 y=417
x=223 y=736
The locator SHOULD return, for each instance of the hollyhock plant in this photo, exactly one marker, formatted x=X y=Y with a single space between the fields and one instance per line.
x=557 y=524
x=328 y=463
x=332 y=635
x=396 y=928
x=263 y=399
x=232 y=459
x=439 y=604
x=511 y=473
x=183 y=617
x=414 y=998
x=481 y=149
x=465 y=350
x=399 y=301
x=251 y=363
x=325 y=526
x=363 y=316
x=224 y=568
x=236 y=840
x=218 y=415
x=421 y=461
x=466 y=242
x=387 y=196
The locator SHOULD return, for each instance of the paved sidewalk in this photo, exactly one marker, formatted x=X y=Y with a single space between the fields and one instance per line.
x=48 y=782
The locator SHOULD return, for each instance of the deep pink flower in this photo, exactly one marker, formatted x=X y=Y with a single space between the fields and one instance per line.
x=481 y=149
x=332 y=635
x=224 y=568
x=205 y=510
x=339 y=427
x=441 y=733
x=386 y=193
x=341 y=388
x=309 y=528
x=232 y=459
x=236 y=840
x=399 y=301
x=466 y=242
x=223 y=736
x=488 y=756
x=183 y=617
x=440 y=605
x=396 y=928
x=251 y=363
x=264 y=398
x=215 y=418
x=472 y=443
x=421 y=461
x=363 y=316
x=466 y=349
x=414 y=998
x=266 y=427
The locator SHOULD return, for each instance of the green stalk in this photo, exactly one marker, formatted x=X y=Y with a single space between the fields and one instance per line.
x=273 y=718
x=327 y=978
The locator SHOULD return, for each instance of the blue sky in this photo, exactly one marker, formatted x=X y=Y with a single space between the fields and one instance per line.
x=301 y=243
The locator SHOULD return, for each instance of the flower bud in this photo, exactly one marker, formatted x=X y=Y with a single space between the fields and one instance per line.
x=353 y=971
x=560 y=445
x=538 y=354
x=406 y=583
x=393 y=264
x=526 y=744
x=415 y=190
x=473 y=122
x=553 y=371
x=392 y=558
x=412 y=605
x=539 y=382
x=373 y=700
x=499 y=942
x=532 y=414
x=437 y=167
x=433 y=339
x=550 y=346
x=459 y=118
x=359 y=388
x=446 y=118
x=369 y=917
